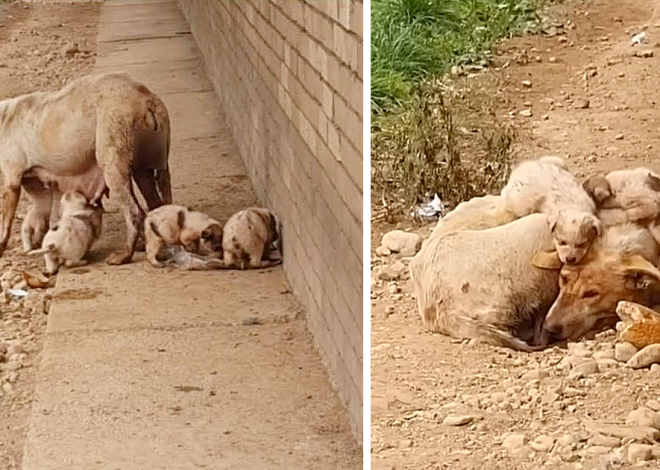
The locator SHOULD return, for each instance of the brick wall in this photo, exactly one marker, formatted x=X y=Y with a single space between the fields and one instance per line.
x=289 y=75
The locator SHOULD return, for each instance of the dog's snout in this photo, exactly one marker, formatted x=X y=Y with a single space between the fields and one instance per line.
x=571 y=259
x=553 y=332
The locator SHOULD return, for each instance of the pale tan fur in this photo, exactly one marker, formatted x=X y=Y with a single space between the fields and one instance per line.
x=478 y=213
x=93 y=135
x=544 y=186
x=172 y=224
x=248 y=238
x=619 y=266
x=482 y=283
x=69 y=241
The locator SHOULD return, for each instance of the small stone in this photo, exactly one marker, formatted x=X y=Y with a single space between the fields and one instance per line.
x=542 y=444
x=604 y=355
x=645 y=357
x=644 y=417
x=526 y=84
x=584 y=369
x=624 y=351
x=581 y=104
x=498 y=397
x=637 y=433
x=405 y=243
x=457 y=420
x=7 y=387
x=579 y=350
x=383 y=251
x=14 y=349
x=526 y=113
x=552 y=60
x=536 y=374
x=639 y=452
x=514 y=442
x=644 y=54
x=618 y=137
x=655 y=368
x=391 y=273
x=651 y=404
x=70 y=49
x=604 y=441
x=568 y=440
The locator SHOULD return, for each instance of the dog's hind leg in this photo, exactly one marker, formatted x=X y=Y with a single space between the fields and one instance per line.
x=36 y=220
x=114 y=148
x=146 y=182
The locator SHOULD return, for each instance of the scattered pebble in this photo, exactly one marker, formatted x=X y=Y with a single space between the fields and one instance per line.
x=624 y=351
x=637 y=452
x=458 y=420
x=405 y=243
x=645 y=357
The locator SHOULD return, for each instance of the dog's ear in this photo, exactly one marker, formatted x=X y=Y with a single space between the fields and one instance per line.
x=212 y=232
x=552 y=221
x=640 y=274
x=547 y=260
x=653 y=181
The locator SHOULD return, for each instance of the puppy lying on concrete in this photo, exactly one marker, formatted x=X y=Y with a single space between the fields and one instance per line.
x=70 y=239
x=178 y=225
x=249 y=238
x=546 y=186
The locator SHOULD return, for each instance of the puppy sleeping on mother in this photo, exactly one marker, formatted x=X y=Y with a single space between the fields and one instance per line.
x=95 y=135
x=490 y=274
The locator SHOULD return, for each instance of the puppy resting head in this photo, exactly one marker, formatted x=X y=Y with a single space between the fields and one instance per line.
x=573 y=232
x=210 y=240
x=598 y=188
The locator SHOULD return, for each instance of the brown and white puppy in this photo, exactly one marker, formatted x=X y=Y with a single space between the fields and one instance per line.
x=248 y=239
x=98 y=132
x=178 y=225
x=68 y=241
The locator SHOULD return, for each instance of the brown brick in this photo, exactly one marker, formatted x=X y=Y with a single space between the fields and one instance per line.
x=349 y=122
x=356 y=19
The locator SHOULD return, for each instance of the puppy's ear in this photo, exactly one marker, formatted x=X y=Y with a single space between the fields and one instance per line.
x=596 y=225
x=653 y=181
x=552 y=221
x=547 y=260
x=213 y=231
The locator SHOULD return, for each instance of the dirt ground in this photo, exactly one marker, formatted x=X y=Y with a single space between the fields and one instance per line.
x=36 y=54
x=418 y=378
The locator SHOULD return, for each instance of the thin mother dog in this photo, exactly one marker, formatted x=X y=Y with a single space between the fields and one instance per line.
x=98 y=133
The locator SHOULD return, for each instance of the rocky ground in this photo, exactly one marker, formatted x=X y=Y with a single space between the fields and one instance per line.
x=582 y=91
x=41 y=48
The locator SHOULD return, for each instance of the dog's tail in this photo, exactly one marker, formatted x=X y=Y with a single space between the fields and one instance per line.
x=50 y=248
x=498 y=337
x=161 y=120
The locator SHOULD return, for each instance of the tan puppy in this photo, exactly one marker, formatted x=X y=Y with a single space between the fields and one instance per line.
x=178 y=225
x=545 y=186
x=71 y=238
x=96 y=132
x=248 y=239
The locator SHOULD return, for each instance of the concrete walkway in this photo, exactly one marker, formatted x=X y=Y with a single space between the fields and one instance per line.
x=156 y=369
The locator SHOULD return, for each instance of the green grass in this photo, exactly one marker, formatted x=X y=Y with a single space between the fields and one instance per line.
x=415 y=39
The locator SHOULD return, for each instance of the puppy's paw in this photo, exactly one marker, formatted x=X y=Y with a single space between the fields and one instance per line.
x=119 y=257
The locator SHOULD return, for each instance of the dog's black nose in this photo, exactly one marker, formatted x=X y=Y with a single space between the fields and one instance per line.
x=571 y=260
x=552 y=333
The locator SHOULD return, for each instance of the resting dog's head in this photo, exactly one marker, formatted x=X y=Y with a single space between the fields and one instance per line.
x=573 y=232
x=210 y=240
x=589 y=293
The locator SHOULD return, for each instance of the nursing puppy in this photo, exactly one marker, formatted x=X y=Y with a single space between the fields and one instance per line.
x=70 y=239
x=178 y=225
x=249 y=236
x=546 y=186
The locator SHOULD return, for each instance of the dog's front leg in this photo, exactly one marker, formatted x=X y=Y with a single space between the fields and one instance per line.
x=10 y=196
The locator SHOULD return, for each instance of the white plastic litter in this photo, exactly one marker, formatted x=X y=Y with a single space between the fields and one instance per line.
x=434 y=209
x=18 y=293
x=177 y=256
x=640 y=38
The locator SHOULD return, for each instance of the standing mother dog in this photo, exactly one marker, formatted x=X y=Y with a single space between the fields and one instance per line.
x=97 y=133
